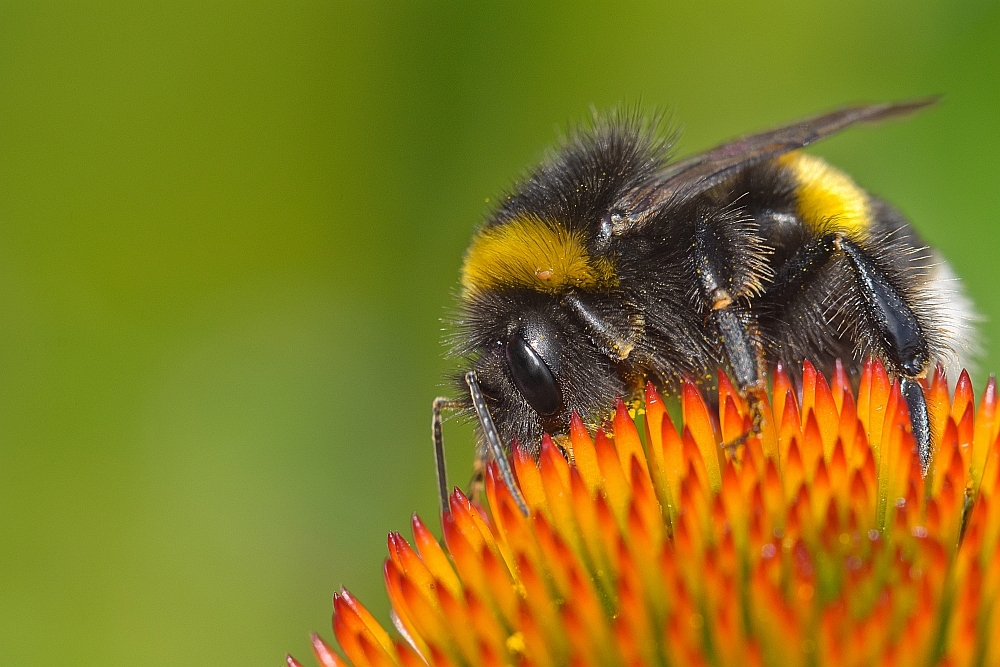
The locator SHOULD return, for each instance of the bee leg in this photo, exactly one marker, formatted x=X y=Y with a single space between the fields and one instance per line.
x=746 y=359
x=897 y=333
x=714 y=258
x=494 y=448
x=905 y=344
x=477 y=483
x=919 y=419
x=440 y=404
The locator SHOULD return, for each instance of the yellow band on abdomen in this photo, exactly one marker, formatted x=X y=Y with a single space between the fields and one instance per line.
x=828 y=200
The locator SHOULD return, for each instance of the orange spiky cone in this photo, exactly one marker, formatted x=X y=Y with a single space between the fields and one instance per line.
x=820 y=542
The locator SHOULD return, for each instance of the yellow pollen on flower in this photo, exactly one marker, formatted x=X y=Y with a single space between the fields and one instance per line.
x=819 y=542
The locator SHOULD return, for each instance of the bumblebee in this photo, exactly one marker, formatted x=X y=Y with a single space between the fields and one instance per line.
x=612 y=264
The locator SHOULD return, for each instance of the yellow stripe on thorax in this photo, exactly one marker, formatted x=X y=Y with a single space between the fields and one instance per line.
x=533 y=253
x=828 y=200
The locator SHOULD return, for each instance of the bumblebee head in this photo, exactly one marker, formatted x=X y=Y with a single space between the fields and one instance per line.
x=525 y=350
x=535 y=363
x=544 y=324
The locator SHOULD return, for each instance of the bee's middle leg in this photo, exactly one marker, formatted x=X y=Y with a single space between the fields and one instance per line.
x=725 y=298
x=746 y=361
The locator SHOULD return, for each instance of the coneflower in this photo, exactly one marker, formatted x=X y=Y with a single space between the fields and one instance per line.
x=821 y=542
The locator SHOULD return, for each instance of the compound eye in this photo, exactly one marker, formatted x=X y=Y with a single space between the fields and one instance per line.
x=533 y=378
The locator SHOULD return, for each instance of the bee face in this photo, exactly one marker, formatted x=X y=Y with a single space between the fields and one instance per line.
x=611 y=265
x=525 y=351
x=534 y=362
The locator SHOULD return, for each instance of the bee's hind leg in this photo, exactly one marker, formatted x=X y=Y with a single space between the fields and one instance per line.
x=882 y=307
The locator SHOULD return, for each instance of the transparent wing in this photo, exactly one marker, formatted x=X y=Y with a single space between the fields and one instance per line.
x=694 y=175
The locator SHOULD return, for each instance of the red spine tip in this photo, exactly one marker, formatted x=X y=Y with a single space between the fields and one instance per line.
x=990 y=395
x=547 y=443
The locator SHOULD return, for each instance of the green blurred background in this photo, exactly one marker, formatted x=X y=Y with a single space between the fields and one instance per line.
x=228 y=232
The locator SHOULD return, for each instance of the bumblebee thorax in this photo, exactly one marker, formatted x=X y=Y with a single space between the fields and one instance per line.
x=538 y=254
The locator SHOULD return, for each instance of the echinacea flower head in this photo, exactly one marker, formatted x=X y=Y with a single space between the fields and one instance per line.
x=820 y=542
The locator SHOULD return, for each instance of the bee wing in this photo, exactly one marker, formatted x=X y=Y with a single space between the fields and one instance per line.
x=694 y=175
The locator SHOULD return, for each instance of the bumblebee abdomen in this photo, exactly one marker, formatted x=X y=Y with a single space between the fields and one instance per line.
x=826 y=199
